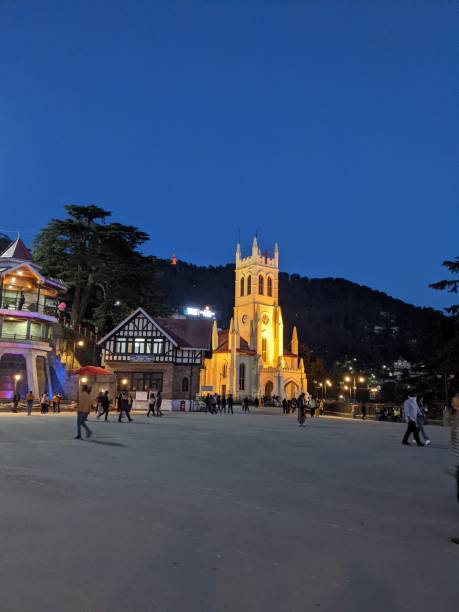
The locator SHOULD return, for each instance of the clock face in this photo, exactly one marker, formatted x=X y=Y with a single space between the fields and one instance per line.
x=265 y=319
x=244 y=319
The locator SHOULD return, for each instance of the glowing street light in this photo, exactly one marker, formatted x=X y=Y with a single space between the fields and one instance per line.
x=348 y=379
x=84 y=380
x=17 y=378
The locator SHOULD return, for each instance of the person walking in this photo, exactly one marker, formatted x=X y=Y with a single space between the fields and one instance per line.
x=84 y=408
x=124 y=407
x=151 y=403
x=364 y=411
x=29 y=401
x=98 y=405
x=219 y=404
x=312 y=407
x=16 y=400
x=213 y=404
x=301 y=403
x=421 y=419
x=159 y=401
x=54 y=402
x=44 y=403
x=455 y=445
x=230 y=403
x=284 y=406
x=410 y=409
x=224 y=403
x=246 y=404
x=105 y=405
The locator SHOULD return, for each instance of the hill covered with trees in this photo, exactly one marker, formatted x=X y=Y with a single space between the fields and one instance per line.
x=107 y=276
x=335 y=317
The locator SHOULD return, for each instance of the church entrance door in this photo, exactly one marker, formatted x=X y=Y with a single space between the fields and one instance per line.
x=269 y=388
x=291 y=390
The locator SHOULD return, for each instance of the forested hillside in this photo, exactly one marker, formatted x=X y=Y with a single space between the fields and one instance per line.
x=335 y=317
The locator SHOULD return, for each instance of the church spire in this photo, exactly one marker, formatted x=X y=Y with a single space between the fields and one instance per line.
x=255 y=249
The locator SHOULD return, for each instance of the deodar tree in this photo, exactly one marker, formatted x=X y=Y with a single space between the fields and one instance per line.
x=99 y=262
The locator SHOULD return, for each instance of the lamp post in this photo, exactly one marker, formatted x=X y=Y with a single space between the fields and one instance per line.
x=348 y=379
x=17 y=378
x=76 y=343
x=327 y=383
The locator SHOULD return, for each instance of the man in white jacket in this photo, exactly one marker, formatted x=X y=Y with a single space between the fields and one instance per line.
x=411 y=409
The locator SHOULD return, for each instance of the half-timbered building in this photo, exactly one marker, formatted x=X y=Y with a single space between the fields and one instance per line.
x=162 y=354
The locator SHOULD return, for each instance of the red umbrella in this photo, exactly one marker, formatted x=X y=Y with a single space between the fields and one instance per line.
x=92 y=371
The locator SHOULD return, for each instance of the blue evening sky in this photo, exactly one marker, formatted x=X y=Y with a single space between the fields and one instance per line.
x=329 y=126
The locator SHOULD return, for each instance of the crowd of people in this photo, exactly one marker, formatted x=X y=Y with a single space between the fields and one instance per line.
x=221 y=404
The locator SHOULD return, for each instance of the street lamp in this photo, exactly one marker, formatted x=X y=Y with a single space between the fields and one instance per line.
x=348 y=379
x=84 y=380
x=17 y=378
x=76 y=343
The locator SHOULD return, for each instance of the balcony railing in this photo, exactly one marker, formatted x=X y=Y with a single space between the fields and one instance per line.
x=23 y=337
x=28 y=302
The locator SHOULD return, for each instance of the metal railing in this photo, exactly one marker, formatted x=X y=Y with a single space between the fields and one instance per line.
x=28 y=302
x=32 y=337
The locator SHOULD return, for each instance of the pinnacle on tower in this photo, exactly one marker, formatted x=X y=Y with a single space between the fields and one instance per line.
x=238 y=252
x=255 y=249
x=294 y=342
x=214 y=336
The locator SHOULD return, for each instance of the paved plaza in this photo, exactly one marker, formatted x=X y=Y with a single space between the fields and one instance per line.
x=201 y=513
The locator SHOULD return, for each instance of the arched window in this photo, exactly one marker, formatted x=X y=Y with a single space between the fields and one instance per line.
x=270 y=286
x=225 y=370
x=261 y=284
x=242 y=377
x=249 y=285
x=264 y=349
x=242 y=286
x=185 y=385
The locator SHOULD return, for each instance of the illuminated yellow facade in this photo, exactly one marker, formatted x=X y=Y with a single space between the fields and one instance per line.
x=249 y=359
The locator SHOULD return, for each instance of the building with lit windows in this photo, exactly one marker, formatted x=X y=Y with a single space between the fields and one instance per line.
x=249 y=359
x=28 y=314
x=159 y=354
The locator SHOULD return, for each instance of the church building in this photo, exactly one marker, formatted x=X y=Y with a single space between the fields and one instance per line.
x=249 y=359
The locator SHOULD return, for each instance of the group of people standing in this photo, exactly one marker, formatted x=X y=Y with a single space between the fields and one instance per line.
x=303 y=404
x=218 y=404
x=45 y=402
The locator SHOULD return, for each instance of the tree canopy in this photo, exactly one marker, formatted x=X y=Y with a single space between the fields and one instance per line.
x=99 y=262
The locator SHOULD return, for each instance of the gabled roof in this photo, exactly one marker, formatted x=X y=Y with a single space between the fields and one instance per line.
x=223 y=344
x=183 y=333
x=188 y=333
x=17 y=250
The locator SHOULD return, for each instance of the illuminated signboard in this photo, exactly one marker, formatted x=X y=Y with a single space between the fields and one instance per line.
x=190 y=311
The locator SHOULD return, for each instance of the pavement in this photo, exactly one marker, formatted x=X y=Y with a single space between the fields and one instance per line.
x=203 y=513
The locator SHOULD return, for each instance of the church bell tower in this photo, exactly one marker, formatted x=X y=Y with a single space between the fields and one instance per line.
x=257 y=311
